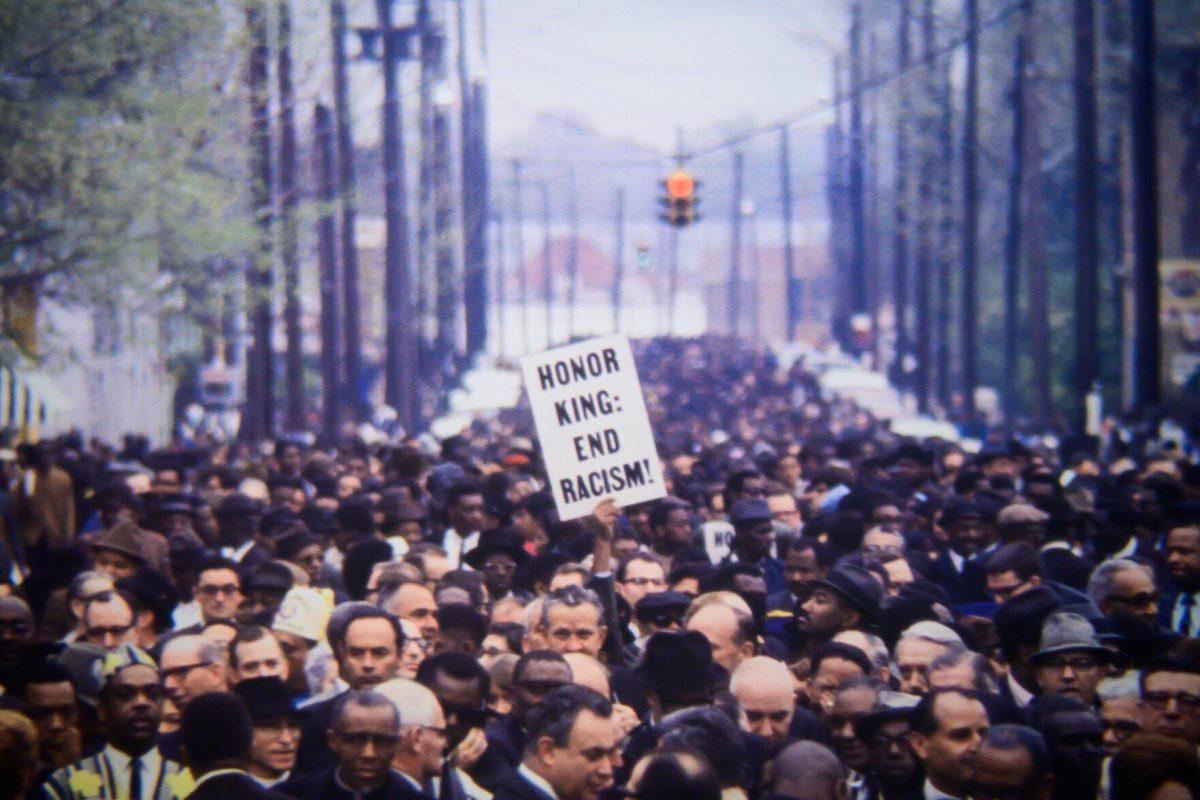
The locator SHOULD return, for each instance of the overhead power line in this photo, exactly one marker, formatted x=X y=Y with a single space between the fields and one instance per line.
x=867 y=86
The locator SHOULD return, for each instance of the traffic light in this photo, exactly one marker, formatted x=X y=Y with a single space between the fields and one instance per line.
x=679 y=200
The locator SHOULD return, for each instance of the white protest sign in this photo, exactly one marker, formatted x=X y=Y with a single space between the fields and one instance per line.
x=591 y=419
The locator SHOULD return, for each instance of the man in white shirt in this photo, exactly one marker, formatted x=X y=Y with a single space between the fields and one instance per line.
x=464 y=510
x=130 y=766
x=276 y=729
x=947 y=731
x=572 y=749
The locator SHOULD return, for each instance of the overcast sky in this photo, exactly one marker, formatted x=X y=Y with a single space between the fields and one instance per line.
x=638 y=69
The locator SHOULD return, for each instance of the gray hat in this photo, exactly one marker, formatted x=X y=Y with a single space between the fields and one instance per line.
x=1066 y=631
x=1022 y=514
x=748 y=511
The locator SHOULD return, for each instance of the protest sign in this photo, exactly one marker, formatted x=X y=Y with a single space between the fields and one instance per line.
x=591 y=419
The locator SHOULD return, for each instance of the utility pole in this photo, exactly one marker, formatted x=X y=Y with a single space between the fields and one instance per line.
x=835 y=196
x=260 y=366
x=859 y=269
x=323 y=168
x=519 y=243
x=900 y=234
x=1013 y=238
x=673 y=288
x=789 y=256
x=1087 y=211
x=426 y=288
x=436 y=160
x=500 y=277
x=289 y=196
x=1035 y=257
x=734 y=293
x=945 y=247
x=475 y=200
x=1144 y=157
x=400 y=378
x=970 y=253
x=618 y=261
x=751 y=212
x=547 y=263
x=352 y=329
x=925 y=211
x=572 y=255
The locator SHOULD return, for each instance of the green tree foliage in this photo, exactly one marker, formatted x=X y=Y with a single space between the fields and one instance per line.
x=121 y=158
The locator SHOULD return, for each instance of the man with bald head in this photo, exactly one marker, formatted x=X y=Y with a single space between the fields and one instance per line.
x=730 y=632
x=763 y=688
x=807 y=771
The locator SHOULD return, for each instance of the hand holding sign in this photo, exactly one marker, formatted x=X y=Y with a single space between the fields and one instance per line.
x=591 y=419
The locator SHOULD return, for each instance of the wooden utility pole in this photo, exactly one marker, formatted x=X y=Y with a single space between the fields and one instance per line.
x=1144 y=167
x=789 y=256
x=519 y=244
x=547 y=263
x=323 y=168
x=734 y=292
x=859 y=269
x=572 y=254
x=1035 y=253
x=618 y=260
x=925 y=210
x=900 y=232
x=475 y=200
x=970 y=253
x=1087 y=211
x=400 y=378
x=501 y=291
x=260 y=366
x=945 y=246
x=1012 y=238
x=351 y=327
x=288 y=199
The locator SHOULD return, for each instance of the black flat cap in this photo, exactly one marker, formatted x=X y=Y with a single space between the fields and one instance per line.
x=680 y=663
x=238 y=505
x=856 y=585
x=749 y=511
x=266 y=699
x=660 y=602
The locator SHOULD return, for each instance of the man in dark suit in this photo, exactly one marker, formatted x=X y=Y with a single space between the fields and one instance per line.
x=366 y=642
x=218 y=762
x=1181 y=610
x=571 y=750
x=364 y=733
x=238 y=518
x=969 y=534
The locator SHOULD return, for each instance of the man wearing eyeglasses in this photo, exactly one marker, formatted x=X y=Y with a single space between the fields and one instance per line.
x=364 y=734
x=218 y=591
x=131 y=765
x=1071 y=660
x=108 y=620
x=191 y=666
x=1171 y=697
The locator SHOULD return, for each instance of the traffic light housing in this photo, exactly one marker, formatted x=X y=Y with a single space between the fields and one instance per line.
x=679 y=200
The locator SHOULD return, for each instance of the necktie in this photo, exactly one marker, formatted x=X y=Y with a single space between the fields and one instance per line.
x=1185 y=619
x=135 y=779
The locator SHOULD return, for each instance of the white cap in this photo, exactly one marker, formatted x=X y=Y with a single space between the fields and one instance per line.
x=304 y=612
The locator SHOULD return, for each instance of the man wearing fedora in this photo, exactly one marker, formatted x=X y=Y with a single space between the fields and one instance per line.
x=1071 y=661
x=848 y=598
x=498 y=557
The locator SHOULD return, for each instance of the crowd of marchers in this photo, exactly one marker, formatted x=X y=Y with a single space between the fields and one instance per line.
x=817 y=609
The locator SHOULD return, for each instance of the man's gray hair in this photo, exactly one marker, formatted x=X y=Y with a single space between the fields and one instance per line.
x=362 y=698
x=415 y=704
x=806 y=770
x=207 y=651
x=572 y=596
x=984 y=679
x=1100 y=585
